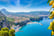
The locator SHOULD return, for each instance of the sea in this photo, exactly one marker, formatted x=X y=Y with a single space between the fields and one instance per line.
x=35 y=29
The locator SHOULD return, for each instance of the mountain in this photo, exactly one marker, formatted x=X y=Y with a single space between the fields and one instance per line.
x=10 y=18
x=4 y=22
x=2 y=16
x=24 y=14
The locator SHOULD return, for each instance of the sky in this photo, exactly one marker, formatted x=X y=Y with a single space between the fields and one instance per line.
x=24 y=5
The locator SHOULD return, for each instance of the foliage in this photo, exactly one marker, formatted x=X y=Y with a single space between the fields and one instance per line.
x=36 y=19
x=48 y=1
x=11 y=32
x=6 y=32
x=10 y=19
x=5 y=29
x=51 y=2
x=51 y=27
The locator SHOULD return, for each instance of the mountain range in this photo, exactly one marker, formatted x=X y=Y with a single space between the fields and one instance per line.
x=32 y=13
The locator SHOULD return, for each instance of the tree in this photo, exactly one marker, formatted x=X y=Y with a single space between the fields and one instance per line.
x=11 y=32
x=51 y=27
x=6 y=32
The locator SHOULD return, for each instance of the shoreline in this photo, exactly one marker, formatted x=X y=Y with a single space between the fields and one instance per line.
x=16 y=28
x=34 y=23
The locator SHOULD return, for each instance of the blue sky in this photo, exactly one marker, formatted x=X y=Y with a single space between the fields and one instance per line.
x=24 y=5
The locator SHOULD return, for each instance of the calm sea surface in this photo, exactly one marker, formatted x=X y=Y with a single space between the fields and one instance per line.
x=35 y=29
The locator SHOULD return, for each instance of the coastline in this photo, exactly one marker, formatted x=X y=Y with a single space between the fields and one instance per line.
x=16 y=28
x=34 y=23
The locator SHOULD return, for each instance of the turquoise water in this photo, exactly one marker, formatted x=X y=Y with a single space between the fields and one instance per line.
x=35 y=29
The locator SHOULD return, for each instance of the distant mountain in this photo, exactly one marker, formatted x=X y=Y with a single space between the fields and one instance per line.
x=2 y=16
x=5 y=11
x=2 y=20
x=32 y=13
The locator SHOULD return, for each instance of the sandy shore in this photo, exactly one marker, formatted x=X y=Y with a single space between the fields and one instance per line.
x=16 y=28
x=34 y=23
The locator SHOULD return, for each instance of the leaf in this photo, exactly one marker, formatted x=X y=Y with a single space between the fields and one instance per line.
x=48 y=1
x=50 y=9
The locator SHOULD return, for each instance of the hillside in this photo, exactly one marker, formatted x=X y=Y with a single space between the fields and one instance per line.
x=2 y=16
x=22 y=16
x=4 y=22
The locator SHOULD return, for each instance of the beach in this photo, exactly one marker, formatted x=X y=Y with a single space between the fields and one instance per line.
x=34 y=23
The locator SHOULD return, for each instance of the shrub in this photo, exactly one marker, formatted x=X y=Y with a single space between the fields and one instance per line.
x=6 y=32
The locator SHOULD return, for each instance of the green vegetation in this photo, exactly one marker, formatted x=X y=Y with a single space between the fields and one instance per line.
x=48 y=1
x=2 y=18
x=10 y=19
x=7 y=32
x=36 y=19
x=51 y=27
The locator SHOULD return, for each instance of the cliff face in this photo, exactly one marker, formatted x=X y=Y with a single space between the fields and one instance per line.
x=36 y=19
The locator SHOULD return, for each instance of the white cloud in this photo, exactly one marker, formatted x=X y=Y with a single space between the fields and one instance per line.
x=29 y=4
x=19 y=8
